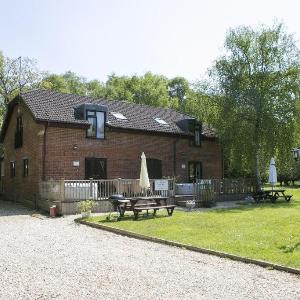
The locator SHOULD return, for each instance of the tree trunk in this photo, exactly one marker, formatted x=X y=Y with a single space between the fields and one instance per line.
x=257 y=171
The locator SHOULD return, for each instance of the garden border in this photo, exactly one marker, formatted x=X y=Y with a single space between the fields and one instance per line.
x=131 y=234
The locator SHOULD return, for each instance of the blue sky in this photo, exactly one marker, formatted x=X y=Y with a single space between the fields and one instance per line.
x=97 y=37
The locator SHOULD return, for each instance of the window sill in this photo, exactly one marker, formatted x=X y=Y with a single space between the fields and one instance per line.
x=95 y=138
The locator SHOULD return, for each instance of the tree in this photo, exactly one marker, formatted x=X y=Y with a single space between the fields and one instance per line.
x=95 y=88
x=151 y=90
x=68 y=82
x=256 y=84
x=55 y=82
x=15 y=75
x=120 y=87
x=178 y=88
x=288 y=170
x=148 y=89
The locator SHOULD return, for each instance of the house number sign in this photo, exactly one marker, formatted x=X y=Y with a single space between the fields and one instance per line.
x=76 y=163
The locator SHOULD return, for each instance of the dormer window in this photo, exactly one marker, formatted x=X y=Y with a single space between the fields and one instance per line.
x=97 y=122
x=195 y=128
x=19 y=133
x=197 y=135
x=161 y=121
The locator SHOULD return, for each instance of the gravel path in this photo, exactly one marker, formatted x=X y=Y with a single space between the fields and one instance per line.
x=43 y=258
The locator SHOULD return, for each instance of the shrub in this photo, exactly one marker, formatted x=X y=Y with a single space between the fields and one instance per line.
x=86 y=205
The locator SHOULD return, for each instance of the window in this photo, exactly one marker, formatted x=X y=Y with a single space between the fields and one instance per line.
x=154 y=168
x=195 y=171
x=19 y=133
x=196 y=129
x=97 y=121
x=118 y=115
x=25 y=167
x=197 y=135
x=161 y=121
x=95 y=168
x=12 y=169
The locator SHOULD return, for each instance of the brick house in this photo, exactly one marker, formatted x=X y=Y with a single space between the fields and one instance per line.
x=50 y=135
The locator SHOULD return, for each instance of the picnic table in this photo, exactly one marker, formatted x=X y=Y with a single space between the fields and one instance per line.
x=271 y=195
x=152 y=203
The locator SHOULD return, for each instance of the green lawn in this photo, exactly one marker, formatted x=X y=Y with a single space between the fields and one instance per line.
x=269 y=232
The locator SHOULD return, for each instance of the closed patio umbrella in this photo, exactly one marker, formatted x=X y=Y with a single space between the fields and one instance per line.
x=144 y=178
x=272 y=173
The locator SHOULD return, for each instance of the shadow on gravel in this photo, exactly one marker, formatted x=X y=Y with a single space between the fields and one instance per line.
x=8 y=208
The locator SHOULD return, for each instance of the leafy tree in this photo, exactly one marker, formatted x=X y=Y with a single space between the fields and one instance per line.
x=178 y=88
x=55 y=82
x=120 y=87
x=147 y=89
x=68 y=82
x=151 y=90
x=15 y=75
x=201 y=104
x=288 y=170
x=76 y=84
x=95 y=88
x=256 y=84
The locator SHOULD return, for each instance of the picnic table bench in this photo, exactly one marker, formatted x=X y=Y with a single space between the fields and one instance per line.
x=137 y=210
x=154 y=203
x=271 y=195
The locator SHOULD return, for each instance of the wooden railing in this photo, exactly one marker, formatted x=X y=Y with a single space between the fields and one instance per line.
x=75 y=190
x=222 y=189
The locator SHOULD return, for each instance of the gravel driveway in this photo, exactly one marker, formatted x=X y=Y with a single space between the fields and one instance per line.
x=43 y=258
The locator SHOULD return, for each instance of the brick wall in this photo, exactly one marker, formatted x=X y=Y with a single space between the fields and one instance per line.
x=21 y=188
x=123 y=150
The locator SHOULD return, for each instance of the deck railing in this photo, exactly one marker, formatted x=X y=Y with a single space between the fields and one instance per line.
x=75 y=190
x=222 y=189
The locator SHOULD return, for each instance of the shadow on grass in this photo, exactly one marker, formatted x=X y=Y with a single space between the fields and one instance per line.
x=290 y=248
x=278 y=186
x=257 y=206
x=131 y=218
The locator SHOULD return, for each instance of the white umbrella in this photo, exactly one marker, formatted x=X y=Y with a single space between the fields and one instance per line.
x=272 y=172
x=144 y=178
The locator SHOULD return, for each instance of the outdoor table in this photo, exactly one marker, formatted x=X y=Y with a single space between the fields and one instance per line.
x=129 y=204
x=275 y=194
x=159 y=200
x=122 y=205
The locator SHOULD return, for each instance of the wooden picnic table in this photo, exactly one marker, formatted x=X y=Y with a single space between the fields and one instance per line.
x=271 y=195
x=152 y=203
x=159 y=200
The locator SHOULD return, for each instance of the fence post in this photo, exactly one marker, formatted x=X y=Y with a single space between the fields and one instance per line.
x=91 y=187
x=194 y=192
x=62 y=190
x=118 y=185
x=173 y=182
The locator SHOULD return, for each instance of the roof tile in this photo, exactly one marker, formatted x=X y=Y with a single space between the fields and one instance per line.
x=49 y=105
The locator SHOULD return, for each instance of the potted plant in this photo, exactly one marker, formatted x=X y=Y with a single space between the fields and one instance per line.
x=190 y=204
x=85 y=208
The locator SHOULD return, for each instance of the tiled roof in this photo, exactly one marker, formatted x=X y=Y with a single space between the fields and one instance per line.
x=48 y=105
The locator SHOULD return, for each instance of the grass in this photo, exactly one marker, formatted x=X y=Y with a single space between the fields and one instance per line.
x=269 y=232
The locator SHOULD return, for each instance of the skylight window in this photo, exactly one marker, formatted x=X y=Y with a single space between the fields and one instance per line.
x=118 y=115
x=161 y=121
